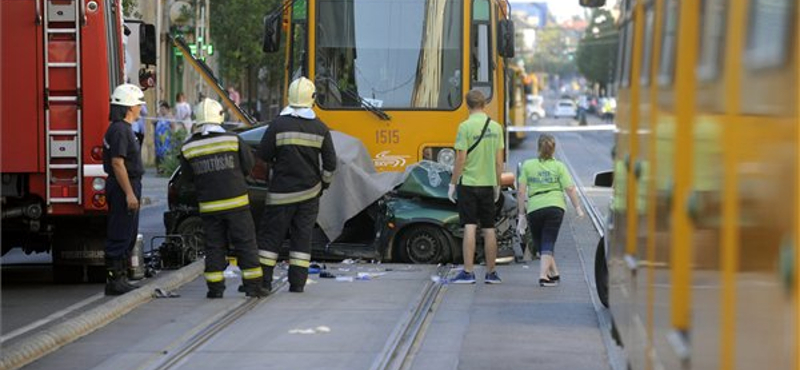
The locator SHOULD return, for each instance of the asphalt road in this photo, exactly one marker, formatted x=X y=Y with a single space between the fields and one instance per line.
x=30 y=300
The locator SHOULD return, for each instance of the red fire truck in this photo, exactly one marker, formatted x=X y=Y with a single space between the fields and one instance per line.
x=60 y=61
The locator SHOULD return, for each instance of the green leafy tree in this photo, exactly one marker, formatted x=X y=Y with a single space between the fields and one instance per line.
x=236 y=29
x=597 y=51
x=552 y=53
x=129 y=9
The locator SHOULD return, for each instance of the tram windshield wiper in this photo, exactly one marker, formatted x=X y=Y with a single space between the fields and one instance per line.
x=365 y=104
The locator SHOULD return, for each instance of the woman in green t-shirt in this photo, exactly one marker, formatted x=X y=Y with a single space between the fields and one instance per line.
x=543 y=181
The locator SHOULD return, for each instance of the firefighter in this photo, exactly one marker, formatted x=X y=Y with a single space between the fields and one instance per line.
x=299 y=150
x=217 y=162
x=122 y=161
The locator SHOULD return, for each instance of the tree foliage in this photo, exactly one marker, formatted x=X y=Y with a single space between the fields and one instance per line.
x=551 y=54
x=597 y=51
x=236 y=29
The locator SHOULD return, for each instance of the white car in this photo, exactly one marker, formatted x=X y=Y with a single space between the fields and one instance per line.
x=566 y=108
x=535 y=109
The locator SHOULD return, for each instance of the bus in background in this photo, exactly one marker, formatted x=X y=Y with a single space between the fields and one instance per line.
x=701 y=255
x=394 y=73
x=517 y=103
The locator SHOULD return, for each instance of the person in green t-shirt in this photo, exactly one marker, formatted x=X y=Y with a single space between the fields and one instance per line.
x=476 y=179
x=542 y=182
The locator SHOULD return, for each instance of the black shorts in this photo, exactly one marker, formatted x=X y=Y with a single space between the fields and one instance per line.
x=476 y=205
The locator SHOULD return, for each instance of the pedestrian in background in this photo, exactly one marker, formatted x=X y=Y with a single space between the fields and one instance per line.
x=476 y=179
x=163 y=134
x=217 y=162
x=138 y=127
x=542 y=183
x=183 y=112
x=298 y=148
x=122 y=161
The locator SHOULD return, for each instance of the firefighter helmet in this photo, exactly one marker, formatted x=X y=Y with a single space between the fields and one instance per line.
x=301 y=93
x=127 y=95
x=208 y=111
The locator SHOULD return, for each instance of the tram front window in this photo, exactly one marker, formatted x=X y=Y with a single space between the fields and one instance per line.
x=395 y=54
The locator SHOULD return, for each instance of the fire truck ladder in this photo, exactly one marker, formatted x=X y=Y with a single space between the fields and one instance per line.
x=62 y=88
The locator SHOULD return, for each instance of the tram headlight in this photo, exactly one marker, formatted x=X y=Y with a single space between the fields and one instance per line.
x=446 y=156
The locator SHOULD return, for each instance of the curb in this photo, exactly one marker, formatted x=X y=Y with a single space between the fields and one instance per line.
x=50 y=340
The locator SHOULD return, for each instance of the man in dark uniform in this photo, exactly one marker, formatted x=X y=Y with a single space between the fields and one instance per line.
x=217 y=162
x=122 y=161
x=299 y=149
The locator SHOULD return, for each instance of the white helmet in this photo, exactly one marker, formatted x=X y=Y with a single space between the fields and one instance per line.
x=301 y=93
x=127 y=95
x=208 y=111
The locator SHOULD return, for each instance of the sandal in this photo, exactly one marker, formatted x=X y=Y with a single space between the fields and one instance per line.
x=547 y=283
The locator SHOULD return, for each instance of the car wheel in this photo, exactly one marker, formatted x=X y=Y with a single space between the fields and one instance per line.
x=424 y=244
x=191 y=228
x=601 y=272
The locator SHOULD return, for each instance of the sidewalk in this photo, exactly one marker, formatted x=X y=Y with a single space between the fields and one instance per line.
x=154 y=188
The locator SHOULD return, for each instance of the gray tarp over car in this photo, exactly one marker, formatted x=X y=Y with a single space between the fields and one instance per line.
x=356 y=185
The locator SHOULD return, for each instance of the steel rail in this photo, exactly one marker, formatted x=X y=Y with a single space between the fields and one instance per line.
x=406 y=339
x=175 y=358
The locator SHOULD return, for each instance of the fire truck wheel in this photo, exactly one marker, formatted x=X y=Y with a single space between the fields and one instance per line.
x=96 y=274
x=67 y=274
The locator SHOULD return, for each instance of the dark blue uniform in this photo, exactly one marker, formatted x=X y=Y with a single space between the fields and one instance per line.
x=123 y=224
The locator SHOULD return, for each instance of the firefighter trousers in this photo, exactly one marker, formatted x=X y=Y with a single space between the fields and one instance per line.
x=239 y=226
x=298 y=220
x=123 y=224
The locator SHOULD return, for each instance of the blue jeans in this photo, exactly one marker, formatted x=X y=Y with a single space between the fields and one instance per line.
x=544 y=225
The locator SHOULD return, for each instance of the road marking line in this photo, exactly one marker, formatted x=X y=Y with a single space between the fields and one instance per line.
x=50 y=318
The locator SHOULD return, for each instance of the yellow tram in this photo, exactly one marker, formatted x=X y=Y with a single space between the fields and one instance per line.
x=394 y=73
x=702 y=252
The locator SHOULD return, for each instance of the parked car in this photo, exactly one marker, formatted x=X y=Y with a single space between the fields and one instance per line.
x=566 y=108
x=603 y=180
x=410 y=221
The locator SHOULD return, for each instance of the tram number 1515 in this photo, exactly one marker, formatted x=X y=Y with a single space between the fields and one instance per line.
x=387 y=137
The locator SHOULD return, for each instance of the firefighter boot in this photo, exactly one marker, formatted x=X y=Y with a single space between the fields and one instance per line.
x=215 y=289
x=266 y=281
x=253 y=288
x=297 y=278
x=125 y=271
x=116 y=280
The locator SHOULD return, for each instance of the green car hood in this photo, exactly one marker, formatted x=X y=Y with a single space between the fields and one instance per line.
x=426 y=179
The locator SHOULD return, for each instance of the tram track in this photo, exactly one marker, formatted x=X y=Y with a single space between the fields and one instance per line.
x=199 y=336
x=406 y=339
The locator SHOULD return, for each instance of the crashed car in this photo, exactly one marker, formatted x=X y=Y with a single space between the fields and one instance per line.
x=365 y=214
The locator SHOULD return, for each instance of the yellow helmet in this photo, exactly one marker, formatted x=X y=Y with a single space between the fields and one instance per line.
x=208 y=111
x=301 y=93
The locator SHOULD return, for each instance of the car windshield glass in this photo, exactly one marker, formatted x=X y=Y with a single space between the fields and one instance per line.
x=395 y=54
x=253 y=136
